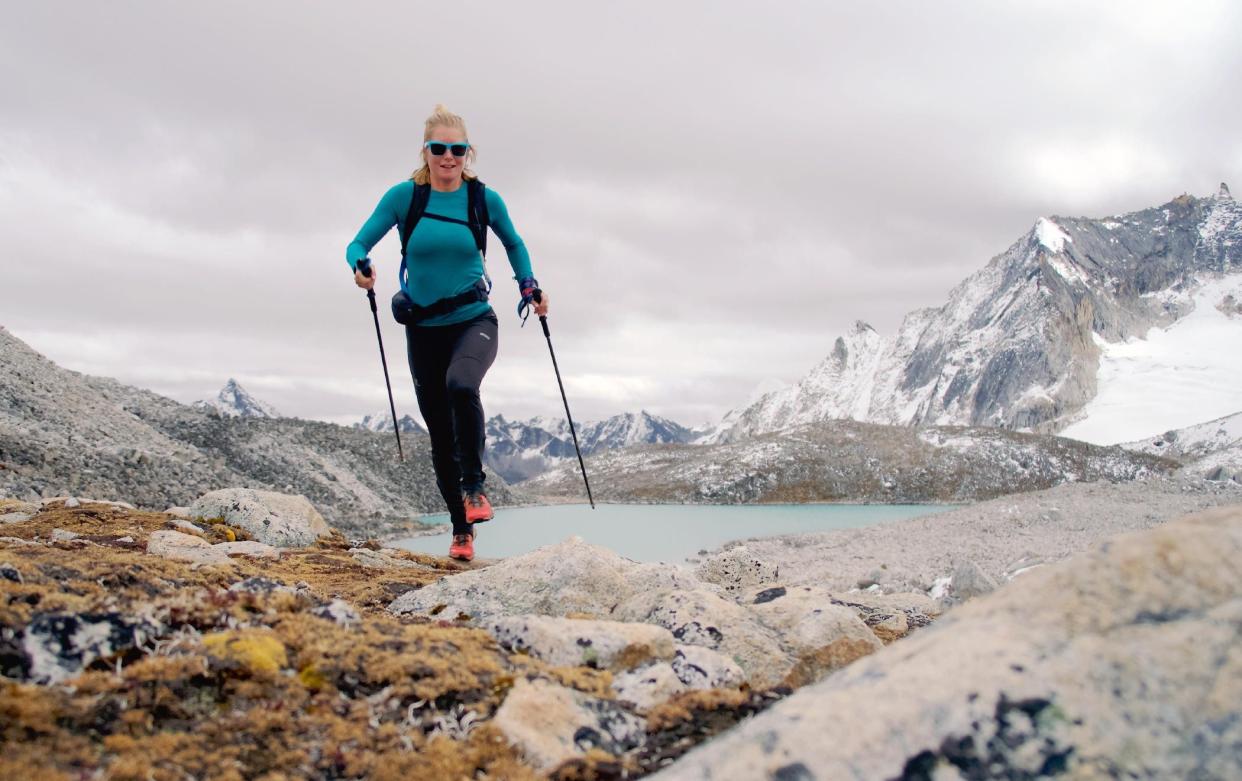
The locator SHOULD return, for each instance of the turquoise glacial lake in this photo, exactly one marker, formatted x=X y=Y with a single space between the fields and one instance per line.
x=657 y=532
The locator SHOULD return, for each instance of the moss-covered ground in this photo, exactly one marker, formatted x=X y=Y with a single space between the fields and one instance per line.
x=252 y=684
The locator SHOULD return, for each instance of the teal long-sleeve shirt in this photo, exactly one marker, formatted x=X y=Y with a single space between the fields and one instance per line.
x=442 y=259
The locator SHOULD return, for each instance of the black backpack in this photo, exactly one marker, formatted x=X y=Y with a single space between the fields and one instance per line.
x=404 y=310
x=476 y=213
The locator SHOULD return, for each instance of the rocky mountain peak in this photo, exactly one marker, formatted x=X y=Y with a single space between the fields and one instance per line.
x=1224 y=193
x=235 y=401
x=1018 y=343
x=1051 y=235
x=382 y=421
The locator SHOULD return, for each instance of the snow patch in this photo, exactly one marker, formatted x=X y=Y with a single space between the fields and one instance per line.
x=1174 y=378
x=1051 y=235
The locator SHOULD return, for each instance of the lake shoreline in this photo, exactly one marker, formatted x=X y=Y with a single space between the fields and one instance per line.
x=658 y=532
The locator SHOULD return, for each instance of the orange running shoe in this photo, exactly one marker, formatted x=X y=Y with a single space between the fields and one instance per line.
x=462 y=547
x=478 y=509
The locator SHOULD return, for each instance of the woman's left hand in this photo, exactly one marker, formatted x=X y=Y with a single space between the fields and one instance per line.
x=541 y=306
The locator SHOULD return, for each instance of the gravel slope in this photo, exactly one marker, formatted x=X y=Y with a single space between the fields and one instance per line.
x=1000 y=536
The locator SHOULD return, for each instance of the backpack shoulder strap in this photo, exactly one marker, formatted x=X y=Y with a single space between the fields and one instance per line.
x=476 y=207
x=418 y=205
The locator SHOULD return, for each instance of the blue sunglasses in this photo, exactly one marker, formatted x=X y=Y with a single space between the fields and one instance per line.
x=439 y=147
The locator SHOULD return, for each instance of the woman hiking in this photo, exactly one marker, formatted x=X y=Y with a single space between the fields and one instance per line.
x=443 y=213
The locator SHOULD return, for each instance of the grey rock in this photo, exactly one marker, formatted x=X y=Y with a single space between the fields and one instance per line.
x=1223 y=474
x=385 y=558
x=58 y=646
x=702 y=668
x=1120 y=662
x=185 y=526
x=64 y=535
x=276 y=519
x=649 y=686
x=338 y=611
x=9 y=572
x=15 y=517
x=697 y=616
x=736 y=568
x=873 y=578
x=969 y=581
x=551 y=724
x=73 y=502
x=260 y=585
x=820 y=635
x=249 y=548
x=603 y=645
x=570 y=577
x=185 y=547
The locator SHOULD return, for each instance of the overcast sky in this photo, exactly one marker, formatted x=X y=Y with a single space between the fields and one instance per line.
x=710 y=192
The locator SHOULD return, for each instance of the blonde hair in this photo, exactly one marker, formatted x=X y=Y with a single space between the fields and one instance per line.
x=442 y=117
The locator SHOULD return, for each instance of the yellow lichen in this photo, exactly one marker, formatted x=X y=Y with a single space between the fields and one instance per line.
x=256 y=650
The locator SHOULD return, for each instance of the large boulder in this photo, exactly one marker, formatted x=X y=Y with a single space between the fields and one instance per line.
x=567 y=642
x=697 y=616
x=551 y=723
x=570 y=578
x=736 y=568
x=699 y=667
x=276 y=519
x=185 y=547
x=821 y=636
x=1121 y=662
x=649 y=686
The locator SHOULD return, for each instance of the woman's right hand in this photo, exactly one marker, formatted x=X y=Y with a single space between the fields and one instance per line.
x=366 y=283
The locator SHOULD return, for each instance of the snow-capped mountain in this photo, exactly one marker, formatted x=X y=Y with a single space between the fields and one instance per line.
x=1019 y=344
x=517 y=450
x=234 y=401
x=382 y=421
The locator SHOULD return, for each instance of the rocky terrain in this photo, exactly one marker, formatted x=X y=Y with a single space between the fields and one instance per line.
x=986 y=543
x=847 y=461
x=64 y=433
x=1212 y=449
x=242 y=638
x=1018 y=343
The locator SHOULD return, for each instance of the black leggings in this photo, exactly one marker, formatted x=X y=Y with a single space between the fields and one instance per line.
x=448 y=363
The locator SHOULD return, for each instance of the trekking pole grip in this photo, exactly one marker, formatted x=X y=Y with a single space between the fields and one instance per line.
x=364 y=268
x=543 y=319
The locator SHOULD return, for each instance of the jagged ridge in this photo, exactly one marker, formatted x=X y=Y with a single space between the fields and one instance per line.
x=1015 y=345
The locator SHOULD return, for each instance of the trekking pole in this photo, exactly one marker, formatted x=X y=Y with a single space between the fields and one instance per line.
x=543 y=321
x=364 y=266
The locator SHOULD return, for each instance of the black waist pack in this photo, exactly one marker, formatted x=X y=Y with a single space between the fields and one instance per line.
x=407 y=312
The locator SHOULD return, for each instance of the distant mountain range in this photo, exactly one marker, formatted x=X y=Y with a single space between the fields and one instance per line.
x=1046 y=328
x=518 y=450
